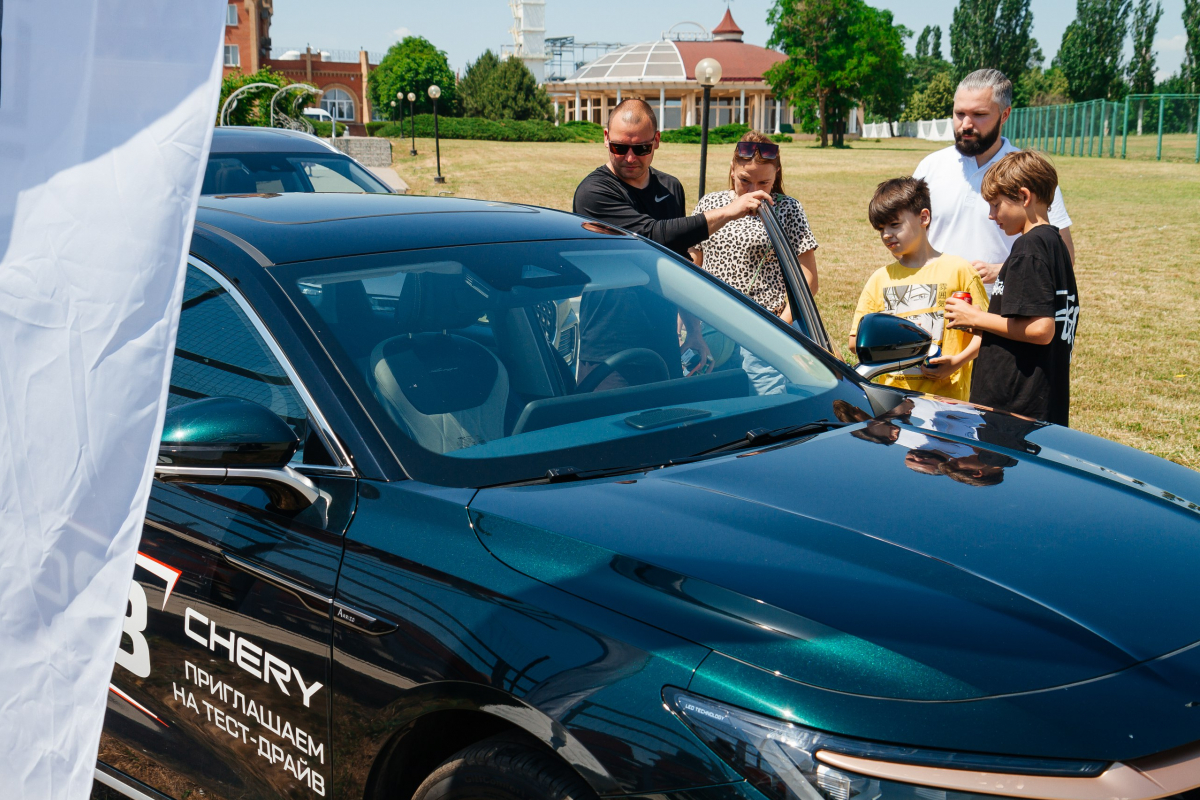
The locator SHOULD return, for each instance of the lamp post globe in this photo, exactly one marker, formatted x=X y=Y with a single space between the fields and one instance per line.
x=708 y=75
x=435 y=92
x=412 y=120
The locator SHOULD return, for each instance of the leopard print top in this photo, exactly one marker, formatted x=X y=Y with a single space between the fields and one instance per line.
x=741 y=249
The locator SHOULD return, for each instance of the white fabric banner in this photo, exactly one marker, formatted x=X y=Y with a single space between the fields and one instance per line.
x=106 y=113
x=935 y=130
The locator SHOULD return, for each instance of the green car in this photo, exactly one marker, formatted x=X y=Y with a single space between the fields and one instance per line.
x=402 y=545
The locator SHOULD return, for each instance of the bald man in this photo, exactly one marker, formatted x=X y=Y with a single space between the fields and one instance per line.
x=628 y=193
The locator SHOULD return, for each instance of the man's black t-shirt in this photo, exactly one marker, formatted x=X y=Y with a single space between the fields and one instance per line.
x=621 y=319
x=1036 y=280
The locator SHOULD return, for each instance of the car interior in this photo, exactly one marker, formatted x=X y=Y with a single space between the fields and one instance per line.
x=277 y=173
x=459 y=355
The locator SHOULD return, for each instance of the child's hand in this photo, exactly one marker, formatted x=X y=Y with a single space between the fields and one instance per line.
x=940 y=368
x=961 y=314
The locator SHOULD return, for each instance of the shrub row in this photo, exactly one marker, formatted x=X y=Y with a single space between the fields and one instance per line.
x=507 y=130
x=321 y=128
x=722 y=134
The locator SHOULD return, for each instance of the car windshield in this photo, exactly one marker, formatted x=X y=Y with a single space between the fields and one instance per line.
x=494 y=363
x=277 y=173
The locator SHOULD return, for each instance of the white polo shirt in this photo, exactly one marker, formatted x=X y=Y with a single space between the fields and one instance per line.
x=960 y=223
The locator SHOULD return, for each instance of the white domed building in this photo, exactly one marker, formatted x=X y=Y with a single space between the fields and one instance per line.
x=663 y=74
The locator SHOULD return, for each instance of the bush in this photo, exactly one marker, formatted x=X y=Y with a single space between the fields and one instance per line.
x=781 y=138
x=723 y=134
x=506 y=130
x=321 y=128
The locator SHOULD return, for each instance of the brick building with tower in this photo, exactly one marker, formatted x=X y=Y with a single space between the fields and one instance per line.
x=342 y=77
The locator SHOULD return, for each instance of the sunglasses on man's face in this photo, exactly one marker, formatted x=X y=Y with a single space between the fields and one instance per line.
x=641 y=149
x=767 y=151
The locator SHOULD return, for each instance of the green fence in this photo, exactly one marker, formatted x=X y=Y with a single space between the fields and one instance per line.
x=1148 y=126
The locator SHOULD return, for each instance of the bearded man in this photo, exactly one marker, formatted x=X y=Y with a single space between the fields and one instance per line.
x=960 y=222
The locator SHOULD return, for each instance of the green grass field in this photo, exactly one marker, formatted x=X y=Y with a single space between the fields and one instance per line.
x=1136 y=375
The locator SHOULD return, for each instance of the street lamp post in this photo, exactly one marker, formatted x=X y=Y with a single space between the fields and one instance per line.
x=393 y=111
x=435 y=92
x=708 y=73
x=412 y=122
x=400 y=102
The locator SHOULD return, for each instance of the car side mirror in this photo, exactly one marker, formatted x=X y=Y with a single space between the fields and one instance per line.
x=233 y=441
x=887 y=343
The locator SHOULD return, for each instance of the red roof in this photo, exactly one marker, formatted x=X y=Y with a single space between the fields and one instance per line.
x=727 y=25
x=739 y=61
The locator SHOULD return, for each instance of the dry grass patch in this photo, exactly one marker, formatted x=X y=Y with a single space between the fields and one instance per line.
x=1136 y=229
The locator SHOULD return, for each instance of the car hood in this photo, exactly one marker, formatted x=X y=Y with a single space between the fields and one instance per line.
x=935 y=553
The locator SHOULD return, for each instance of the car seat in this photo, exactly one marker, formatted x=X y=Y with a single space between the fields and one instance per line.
x=445 y=391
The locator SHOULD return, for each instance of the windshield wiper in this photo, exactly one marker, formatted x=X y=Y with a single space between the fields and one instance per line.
x=753 y=438
x=762 y=436
x=571 y=474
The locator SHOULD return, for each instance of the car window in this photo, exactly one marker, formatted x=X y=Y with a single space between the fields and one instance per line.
x=333 y=176
x=218 y=353
x=503 y=357
x=278 y=173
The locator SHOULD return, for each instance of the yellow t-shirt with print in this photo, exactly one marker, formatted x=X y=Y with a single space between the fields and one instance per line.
x=920 y=295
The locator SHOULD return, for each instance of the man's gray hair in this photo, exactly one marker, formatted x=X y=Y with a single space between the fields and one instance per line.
x=994 y=79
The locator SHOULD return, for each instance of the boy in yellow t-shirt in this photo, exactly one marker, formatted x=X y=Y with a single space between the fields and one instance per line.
x=917 y=286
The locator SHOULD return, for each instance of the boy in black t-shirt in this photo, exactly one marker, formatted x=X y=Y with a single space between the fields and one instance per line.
x=1028 y=332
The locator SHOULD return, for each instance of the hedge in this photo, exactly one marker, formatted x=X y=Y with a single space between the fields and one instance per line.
x=321 y=128
x=722 y=134
x=507 y=130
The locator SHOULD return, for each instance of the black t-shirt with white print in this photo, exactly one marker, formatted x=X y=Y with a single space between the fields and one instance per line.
x=1034 y=380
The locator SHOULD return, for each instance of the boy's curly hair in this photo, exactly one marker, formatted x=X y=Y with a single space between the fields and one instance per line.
x=1023 y=169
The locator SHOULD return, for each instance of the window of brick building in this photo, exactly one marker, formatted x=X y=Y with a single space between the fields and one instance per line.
x=339 y=104
x=231 y=55
x=231 y=14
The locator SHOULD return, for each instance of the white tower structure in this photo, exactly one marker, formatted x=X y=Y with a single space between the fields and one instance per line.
x=529 y=35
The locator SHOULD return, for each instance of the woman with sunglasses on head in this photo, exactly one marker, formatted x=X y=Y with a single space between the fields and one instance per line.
x=740 y=252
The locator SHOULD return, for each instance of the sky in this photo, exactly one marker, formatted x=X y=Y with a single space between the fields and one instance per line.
x=465 y=28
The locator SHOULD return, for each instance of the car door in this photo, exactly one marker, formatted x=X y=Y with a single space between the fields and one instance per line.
x=221 y=684
x=806 y=315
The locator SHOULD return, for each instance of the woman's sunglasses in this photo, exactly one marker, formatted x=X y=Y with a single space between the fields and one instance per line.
x=767 y=151
x=643 y=149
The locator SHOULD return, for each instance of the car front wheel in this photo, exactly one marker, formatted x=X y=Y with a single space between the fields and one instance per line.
x=504 y=767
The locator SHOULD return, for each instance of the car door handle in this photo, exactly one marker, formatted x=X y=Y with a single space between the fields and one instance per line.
x=311 y=598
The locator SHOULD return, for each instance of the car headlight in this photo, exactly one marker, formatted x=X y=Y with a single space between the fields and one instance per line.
x=782 y=759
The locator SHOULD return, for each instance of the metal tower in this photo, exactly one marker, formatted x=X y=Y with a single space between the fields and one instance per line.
x=529 y=35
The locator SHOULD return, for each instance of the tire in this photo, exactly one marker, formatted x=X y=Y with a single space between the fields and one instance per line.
x=504 y=767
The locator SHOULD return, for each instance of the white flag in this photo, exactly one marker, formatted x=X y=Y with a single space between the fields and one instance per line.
x=106 y=113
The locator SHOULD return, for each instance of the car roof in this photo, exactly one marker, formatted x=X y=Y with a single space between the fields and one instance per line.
x=285 y=228
x=238 y=139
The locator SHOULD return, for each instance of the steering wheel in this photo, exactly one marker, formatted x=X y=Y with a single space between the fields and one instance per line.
x=616 y=360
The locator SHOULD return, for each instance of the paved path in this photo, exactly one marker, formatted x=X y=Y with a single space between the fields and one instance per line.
x=389 y=176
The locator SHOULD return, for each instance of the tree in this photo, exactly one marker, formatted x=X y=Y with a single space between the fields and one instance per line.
x=495 y=89
x=925 y=63
x=413 y=65
x=1039 y=87
x=993 y=34
x=929 y=43
x=882 y=65
x=1090 y=54
x=1191 y=51
x=935 y=102
x=252 y=108
x=1140 y=72
x=839 y=51
x=472 y=91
